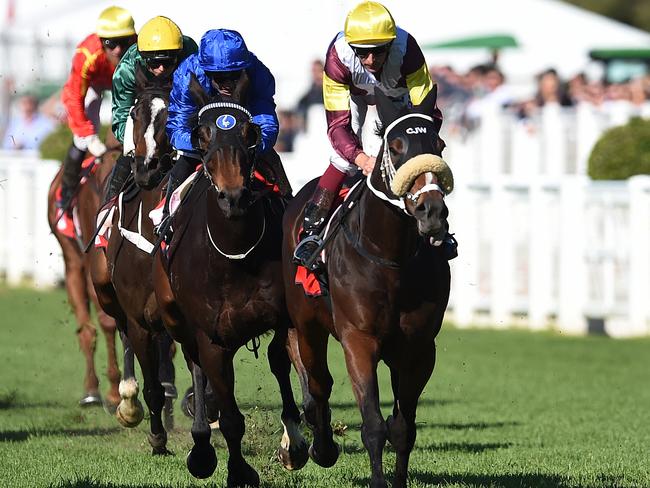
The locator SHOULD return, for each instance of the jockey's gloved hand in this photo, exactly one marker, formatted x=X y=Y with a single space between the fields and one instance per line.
x=91 y=143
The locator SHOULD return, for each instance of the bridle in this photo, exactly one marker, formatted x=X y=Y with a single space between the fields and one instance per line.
x=388 y=171
x=212 y=146
x=215 y=126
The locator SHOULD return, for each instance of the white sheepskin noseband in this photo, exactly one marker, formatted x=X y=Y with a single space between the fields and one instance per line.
x=414 y=167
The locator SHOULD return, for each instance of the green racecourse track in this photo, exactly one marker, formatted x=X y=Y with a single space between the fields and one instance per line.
x=503 y=409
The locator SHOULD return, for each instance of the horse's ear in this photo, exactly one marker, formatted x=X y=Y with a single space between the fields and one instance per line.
x=140 y=78
x=240 y=93
x=428 y=104
x=385 y=108
x=198 y=94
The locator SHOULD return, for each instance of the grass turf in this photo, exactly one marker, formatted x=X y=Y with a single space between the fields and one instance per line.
x=503 y=409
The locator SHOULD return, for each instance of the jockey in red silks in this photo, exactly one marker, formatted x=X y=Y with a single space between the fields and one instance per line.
x=93 y=64
x=370 y=52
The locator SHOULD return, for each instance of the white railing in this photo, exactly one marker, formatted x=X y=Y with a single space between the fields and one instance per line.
x=538 y=248
x=28 y=250
x=570 y=254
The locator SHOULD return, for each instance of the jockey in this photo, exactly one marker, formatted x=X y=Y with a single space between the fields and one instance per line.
x=218 y=66
x=370 y=52
x=92 y=69
x=161 y=47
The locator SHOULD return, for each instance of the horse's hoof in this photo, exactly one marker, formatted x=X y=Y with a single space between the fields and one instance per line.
x=242 y=476
x=187 y=404
x=129 y=415
x=168 y=414
x=170 y=390
x=158 y=442
x=326 y=460
x=201 y=461
x=293 y=458
x=90 y=399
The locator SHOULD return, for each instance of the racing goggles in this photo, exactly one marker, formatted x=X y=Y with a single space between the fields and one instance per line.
x=364 y=52
x=112 y=43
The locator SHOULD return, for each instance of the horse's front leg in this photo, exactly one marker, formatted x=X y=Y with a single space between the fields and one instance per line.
x=129 y=411
x=410 y=380
x=361 y=358
x=218 y=366
x=201 y=460
x=145 y=348
x=293 y=447
x=314 y=373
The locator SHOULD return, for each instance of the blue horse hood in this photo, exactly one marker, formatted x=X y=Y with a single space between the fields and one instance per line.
x=223 y=50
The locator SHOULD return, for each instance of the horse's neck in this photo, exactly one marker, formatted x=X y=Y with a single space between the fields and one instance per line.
x=384 y=227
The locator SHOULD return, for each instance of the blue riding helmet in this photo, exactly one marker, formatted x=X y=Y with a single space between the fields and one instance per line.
x=223 y=50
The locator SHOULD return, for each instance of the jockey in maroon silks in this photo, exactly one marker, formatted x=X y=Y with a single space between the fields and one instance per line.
x=370 y=52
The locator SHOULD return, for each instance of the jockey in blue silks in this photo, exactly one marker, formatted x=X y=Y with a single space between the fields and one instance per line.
x=218 y=66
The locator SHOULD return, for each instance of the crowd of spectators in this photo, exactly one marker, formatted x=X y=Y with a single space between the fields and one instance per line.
x=463 y=97
x=27 y=126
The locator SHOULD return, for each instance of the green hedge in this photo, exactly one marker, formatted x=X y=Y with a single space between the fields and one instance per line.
x=55 y=146
x=622 y=152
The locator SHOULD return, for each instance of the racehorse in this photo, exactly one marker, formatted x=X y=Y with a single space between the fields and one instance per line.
x=388 y=288
x=220 y=284
x=77 y=277
x=122 y=275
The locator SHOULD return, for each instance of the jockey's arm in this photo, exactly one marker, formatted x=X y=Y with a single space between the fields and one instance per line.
x=418 y=78
x=181 y=108
x=74 y=93
x=262 y=104
x=123 y=92
x=336 y=97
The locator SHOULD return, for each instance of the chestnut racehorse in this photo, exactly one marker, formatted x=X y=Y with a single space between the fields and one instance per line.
x=388 y=286
x=77 y=277
x=220 y=284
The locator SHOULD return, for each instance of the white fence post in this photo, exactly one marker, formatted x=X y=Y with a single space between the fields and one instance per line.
x=572 y=270
x=18 y=220
x=639 y=247
x=541 y=254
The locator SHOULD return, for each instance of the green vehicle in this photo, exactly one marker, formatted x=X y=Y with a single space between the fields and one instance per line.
x=621 y=65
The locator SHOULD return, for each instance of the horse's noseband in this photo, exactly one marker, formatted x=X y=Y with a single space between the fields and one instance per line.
x=224 y=122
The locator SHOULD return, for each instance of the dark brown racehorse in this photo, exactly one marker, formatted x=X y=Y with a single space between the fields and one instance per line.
x=77 y=278
x=122 y=276
x=389 y=289
x=220 y=285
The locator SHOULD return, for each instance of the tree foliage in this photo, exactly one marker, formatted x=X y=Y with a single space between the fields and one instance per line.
x=622 y=152
x=632 y=12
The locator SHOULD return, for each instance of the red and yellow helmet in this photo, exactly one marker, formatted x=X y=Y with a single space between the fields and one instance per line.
x=369 y=24
x=115 y=22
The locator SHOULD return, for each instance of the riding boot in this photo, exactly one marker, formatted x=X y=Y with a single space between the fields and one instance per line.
x=182 y=169
x=316 y=212
x=119 y=175
x=71 y=176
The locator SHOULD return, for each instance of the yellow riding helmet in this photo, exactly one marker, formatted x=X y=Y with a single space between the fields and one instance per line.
x=160 y=34
x=115 y=22
x=369 y=24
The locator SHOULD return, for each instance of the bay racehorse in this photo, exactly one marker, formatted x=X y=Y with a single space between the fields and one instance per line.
x=388 y=286
x=122 y=274
x=220 y=284
x=77 y=274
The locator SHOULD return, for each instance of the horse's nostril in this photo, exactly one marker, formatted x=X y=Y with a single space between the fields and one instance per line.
x=221 y=195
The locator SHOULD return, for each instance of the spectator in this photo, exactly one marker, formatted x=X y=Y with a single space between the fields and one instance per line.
x=314 y=95
x=28 y=129
x=550 y=89
x=288 y=128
